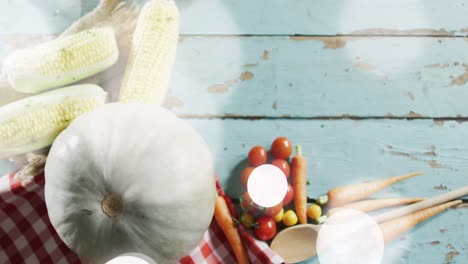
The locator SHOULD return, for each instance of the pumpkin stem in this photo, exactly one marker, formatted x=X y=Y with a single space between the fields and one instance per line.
x=112 y=204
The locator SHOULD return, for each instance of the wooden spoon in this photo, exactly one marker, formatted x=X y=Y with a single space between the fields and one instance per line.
x=298 y=243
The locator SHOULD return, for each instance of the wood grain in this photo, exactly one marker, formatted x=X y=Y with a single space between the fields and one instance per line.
x=406 y=77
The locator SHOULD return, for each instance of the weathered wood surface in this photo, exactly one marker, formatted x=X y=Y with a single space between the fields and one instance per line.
x=320 y=76
x=321 y=17
x=401 y=59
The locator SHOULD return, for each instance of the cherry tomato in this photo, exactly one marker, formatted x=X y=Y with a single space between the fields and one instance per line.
x=266 y=228
x=283 y=165
x=289 y=195
x=281 y=148
x=247 y=220
x=245 y=176
x=246 y=200
x=258 y=156
x=274 y=210
x=289 y=218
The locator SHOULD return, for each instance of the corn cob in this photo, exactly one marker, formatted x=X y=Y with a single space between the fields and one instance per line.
x=61 y=61
x=152 y=53
x=34 y=122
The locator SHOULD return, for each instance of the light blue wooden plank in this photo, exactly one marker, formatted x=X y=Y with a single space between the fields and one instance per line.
x=318 y=76
x=37 y=17
x=323 y=17
x=341 y=152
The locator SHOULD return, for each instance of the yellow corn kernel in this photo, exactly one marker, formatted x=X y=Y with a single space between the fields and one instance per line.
x=152 y=54
x=33 y=123
x=61 y=61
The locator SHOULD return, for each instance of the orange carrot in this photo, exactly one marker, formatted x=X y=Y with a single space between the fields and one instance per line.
x=371 y=205
x=225 y=221
x=299 y=178
x=393 y=228
x=343 y=195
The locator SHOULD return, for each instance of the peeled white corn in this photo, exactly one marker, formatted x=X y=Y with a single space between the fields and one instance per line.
x=61 y=61
x=34 y=122
x=152 y=54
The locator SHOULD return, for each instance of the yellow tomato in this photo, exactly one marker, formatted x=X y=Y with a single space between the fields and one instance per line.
x=279 y=216
x=314 y=211
x=289 y=218
x=247 y=220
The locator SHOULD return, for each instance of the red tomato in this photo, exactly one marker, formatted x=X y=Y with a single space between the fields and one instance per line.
x=245 y=176
x=258 y=156
x=246 y=201
x=281 y=148
x=266 y=228
x=289 y=195
x=273 y=211
x=283 y=165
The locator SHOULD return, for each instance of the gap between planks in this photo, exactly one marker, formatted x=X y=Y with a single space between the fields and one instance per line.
x=292 y=37
x=341 y=117
x=352 y=35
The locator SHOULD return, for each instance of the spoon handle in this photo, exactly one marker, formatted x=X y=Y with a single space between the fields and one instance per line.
x=422 y=205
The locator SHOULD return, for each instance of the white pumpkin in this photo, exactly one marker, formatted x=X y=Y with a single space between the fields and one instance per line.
x=130 y=178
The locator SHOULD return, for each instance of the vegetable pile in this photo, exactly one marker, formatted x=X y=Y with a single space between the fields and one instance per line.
x=294 y=209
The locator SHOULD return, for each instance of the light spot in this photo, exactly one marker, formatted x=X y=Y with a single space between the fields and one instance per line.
x=132 y=258
x=351 y=237
x=267 y=185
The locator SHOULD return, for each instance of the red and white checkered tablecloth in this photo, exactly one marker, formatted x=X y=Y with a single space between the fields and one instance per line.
x=27 y=236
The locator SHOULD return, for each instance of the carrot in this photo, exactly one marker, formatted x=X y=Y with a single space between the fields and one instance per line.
x=343 y=195
x=224 y=219
x=393 y=228
x=299 y=178
x=371 y=205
